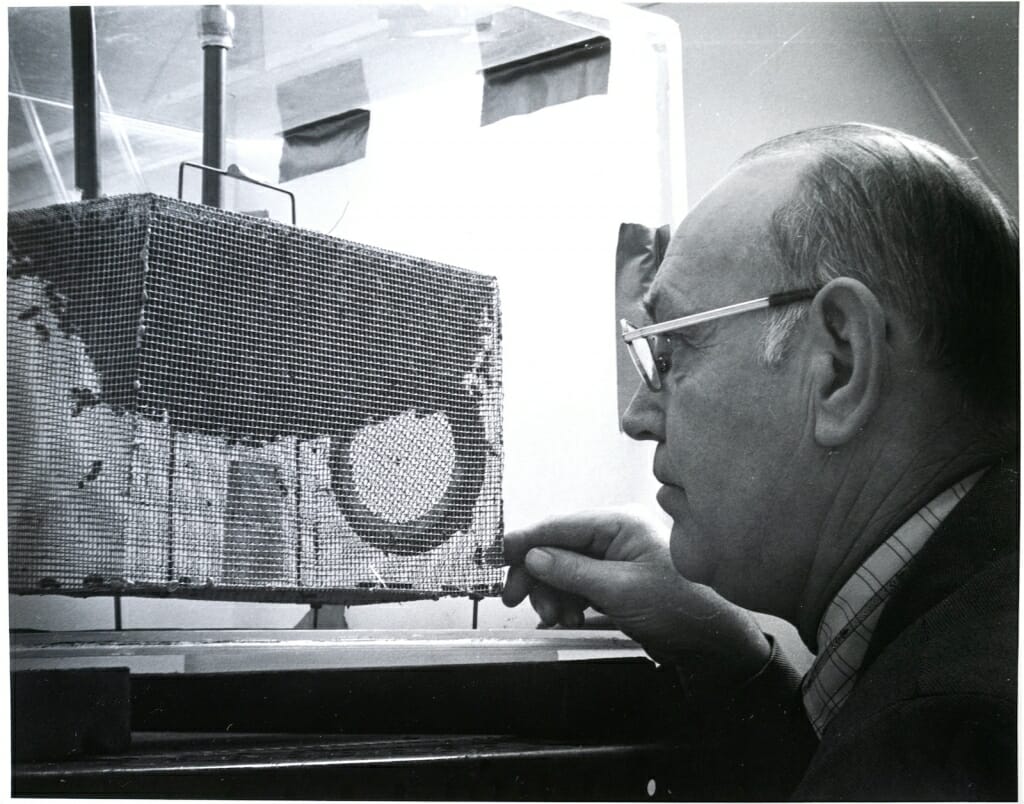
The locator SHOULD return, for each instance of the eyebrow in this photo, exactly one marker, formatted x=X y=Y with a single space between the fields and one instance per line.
x=647 y=305
x=650 y=301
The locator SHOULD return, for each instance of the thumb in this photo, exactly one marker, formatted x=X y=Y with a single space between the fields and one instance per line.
x=590 y=578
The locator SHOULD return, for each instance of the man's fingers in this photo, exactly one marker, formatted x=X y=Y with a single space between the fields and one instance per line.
x=517 y=586
x=588 y=532
x=545 y=602
x=553 y=607
x=591 y=579
x=557 y=608
x=571 y=618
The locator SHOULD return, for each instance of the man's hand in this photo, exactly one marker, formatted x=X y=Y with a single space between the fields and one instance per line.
x=619 y=564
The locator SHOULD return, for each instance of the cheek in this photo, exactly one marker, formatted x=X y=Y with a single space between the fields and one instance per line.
x=725 y=448
x=730 y=439
x=725 y=419
x=713 y=436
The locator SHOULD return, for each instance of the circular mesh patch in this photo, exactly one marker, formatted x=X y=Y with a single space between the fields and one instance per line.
x=401 y=467
x=408 y=482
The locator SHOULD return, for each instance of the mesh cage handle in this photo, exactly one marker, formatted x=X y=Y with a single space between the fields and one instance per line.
x=234 y=172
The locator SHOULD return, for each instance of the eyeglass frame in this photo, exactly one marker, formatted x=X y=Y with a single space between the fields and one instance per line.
x=631 y=333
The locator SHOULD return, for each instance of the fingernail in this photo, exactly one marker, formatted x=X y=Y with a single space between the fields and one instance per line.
x=539 y=560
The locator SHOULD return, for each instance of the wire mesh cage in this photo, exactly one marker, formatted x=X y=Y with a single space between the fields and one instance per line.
x=208 y=404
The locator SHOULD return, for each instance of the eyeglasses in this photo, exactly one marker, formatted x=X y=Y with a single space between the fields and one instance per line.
x=648 y=355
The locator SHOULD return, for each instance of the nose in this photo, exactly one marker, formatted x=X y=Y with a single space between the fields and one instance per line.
x=644 y=419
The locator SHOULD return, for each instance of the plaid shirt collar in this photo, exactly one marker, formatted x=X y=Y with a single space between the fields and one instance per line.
x=849 y=621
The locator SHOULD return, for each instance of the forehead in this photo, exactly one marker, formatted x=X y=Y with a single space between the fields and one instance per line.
x=721 y=253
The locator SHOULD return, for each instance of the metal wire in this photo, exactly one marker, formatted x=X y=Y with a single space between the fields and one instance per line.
x=206 y=404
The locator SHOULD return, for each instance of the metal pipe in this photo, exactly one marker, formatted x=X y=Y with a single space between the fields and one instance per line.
x=216 y=27
x=86 y=114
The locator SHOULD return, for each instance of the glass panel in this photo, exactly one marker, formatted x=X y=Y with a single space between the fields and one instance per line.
x=534 y=199
x=40 y=168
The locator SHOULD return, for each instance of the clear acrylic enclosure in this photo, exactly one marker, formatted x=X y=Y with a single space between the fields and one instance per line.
x=510 y=140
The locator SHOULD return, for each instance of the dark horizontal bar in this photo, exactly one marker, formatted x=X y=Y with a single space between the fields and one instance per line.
x=587 y=48
x=790 y=296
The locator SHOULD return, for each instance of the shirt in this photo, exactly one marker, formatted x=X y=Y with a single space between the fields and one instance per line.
x=850 y=619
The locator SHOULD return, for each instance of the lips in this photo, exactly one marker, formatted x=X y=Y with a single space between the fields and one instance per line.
x=671 y=498
x=668 y=490
x=658 y=468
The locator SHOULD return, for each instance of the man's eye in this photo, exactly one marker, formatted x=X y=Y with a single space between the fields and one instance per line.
x=661 y=350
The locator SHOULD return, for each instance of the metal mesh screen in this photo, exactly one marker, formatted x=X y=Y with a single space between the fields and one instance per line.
x=206 y=404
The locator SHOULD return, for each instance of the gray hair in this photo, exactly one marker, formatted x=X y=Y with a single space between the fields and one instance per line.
x=916 y=225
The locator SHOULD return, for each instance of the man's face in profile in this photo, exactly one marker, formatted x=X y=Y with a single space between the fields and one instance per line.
x=732 y=432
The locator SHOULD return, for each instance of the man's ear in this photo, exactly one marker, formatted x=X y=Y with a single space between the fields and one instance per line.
x=849 y=364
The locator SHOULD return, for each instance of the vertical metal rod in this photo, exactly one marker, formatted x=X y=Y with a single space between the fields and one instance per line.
x=117 y=612
x=216 y=25
x=476 y=611
x=171 y=469
x=297 y=455
x=86 y=112
x=215 y=61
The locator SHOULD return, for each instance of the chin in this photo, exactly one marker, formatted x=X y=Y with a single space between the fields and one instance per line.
x=688 y=559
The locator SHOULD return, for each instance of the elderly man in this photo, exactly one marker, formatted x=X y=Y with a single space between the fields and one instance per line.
x=841 y=454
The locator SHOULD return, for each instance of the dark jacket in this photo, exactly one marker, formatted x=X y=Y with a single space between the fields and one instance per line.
x=933 y=713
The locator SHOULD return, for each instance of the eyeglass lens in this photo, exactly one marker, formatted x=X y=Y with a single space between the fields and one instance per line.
x=642 y=353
